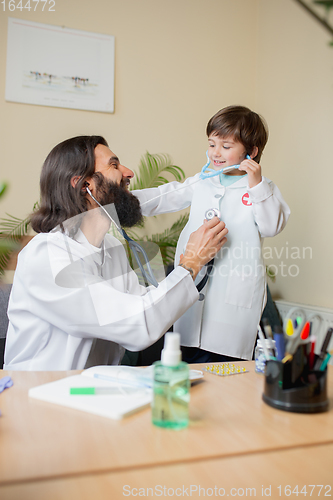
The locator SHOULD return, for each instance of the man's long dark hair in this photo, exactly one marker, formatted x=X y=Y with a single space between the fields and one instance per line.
x=59 y=199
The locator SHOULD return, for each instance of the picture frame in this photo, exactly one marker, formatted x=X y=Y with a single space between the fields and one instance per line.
x=56 y=66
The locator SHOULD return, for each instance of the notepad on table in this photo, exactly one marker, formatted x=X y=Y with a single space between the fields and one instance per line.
x=117 y=405
x=131 y=390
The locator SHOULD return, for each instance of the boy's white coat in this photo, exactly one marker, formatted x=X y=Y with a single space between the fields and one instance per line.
x=226 y=320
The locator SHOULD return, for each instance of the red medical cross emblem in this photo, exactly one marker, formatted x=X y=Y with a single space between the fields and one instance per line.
x=245 y=200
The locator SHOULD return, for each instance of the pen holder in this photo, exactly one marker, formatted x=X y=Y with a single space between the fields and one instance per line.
x=293 y=386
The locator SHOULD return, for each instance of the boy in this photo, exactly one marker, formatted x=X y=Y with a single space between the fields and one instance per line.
x=222 y=324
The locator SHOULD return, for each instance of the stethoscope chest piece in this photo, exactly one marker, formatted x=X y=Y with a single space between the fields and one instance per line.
x=212 y=212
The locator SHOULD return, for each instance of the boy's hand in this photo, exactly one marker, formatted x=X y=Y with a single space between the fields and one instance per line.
x=253 y=170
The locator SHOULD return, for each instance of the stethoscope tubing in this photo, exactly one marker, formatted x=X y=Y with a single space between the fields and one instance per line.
x=134 y=246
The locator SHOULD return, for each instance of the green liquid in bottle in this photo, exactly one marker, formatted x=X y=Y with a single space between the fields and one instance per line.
x=171 y=396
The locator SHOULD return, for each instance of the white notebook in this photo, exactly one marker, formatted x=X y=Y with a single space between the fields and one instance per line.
x=131 y=390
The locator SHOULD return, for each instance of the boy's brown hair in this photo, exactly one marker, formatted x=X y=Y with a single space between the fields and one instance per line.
x=243 y=125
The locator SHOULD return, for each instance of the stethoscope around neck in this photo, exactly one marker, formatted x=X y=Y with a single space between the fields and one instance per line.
x=207 y=172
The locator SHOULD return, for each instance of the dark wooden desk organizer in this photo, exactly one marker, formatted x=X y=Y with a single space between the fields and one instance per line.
x=293 y=386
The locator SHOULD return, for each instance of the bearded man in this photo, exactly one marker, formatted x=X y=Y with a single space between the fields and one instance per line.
x=75 y=301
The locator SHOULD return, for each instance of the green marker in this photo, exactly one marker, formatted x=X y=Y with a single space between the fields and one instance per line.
x=99 y=391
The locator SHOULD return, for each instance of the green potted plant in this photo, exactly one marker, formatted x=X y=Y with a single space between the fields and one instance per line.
x=7 y=243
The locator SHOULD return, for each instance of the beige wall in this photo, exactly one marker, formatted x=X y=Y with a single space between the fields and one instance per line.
x=294 y=88
x=177 y=63
x=171 y=76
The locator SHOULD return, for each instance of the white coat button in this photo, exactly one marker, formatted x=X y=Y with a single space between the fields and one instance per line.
x=221 y=193
x=201 y=297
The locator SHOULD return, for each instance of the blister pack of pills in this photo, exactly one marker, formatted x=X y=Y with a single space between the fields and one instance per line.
x=225 y=369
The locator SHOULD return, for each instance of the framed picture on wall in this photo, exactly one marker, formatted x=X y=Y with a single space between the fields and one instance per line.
x=55 y=66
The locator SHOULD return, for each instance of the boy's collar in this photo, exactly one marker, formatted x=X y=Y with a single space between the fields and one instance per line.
x=240 y=182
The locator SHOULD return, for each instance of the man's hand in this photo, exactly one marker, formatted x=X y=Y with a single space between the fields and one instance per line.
x=253 y=170
x=203 y=245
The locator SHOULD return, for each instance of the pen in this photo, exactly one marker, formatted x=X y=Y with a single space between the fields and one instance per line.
x=279 y=341
x=312 y=353
x=327 y=340
x=324 y=363
x=99 y=391
x=146 y=383
x=269 y=335
x=263 y=341
x=323 y=349
x=267 y=328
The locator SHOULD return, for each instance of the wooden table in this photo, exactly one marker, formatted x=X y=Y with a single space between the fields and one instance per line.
x=234 y=441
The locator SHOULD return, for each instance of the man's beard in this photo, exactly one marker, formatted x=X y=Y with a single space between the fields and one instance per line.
x=126 y=204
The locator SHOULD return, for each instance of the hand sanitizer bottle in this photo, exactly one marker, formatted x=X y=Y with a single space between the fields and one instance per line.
x=171 y=388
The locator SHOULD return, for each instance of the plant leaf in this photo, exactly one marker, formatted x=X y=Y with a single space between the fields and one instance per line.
x=7 y=246
x=3 y=187
x=14 y=227
x=150 y=169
